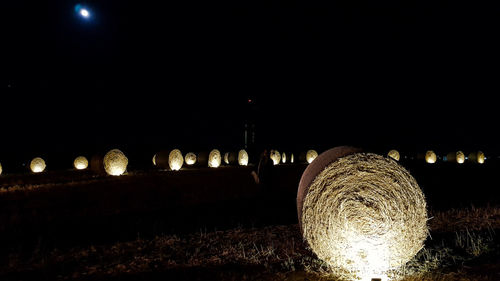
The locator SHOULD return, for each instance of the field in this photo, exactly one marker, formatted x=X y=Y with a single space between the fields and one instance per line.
x=217 y=224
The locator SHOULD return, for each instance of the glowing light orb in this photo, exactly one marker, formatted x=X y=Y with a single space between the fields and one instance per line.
x=190 y=158
x=394 y=154
x=275 y=156
x=226 y=158
x=37 y=165
x=81 y=163
x=115 y=162
x=430 y=157
x=283 y=158
x=311 y=155
x=175 y=160
x=361 y=213
x=242 y=158
x=82 y=11
x=460 y=157
x=214 y=158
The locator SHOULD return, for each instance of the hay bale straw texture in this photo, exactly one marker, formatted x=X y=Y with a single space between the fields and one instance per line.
x=115 y=162
x=362 y=214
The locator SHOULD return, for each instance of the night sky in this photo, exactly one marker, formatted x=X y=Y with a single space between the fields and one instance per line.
x=409 y=74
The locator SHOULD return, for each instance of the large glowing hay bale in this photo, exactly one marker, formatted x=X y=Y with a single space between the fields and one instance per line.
x=242 y=158
x=190 y=158
x=311 y=155
x=81 y=163
x=175 y=160
x=115 y=162
x=283 y=158
x=275 y=156
x=394 y=154
x=361 y=213
x=477 y=157
x=214 y=158
x=460 y=157
x=37 y=165
x=430 y=157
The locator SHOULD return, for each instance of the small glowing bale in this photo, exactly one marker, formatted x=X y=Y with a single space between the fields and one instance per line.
x=1 y=169
x=394 y=154
x=242 y=158
x=477 y=157
x=430 y=157
x=115 y=162
x=275 y=156
x=175 y=160
x=291 y=158
x=460 y=157
x=190 y=158
x=311 y=155
x=81 y=163
x=283 y=158
x=226 y=158
x=37 y=165
x=154 y=159
x=361 y=213
x=214 y=158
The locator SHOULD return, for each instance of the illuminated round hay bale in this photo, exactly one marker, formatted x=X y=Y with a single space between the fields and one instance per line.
x=394 y=154
x=361 y=213
x=37 y=165
x=477 y=157
x=243 y=158
x=292 y=158
x=283 y=158
x=190 y=158
x=175 y=160
x=430 y=157
x=81 y=163
x=311 y=155
x=460 y=157
x=275 y=156
x=1 y=168
x=115 y=162
x=154 y=159
x=214 y=158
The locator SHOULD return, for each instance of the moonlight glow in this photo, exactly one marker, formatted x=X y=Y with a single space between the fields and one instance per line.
x=80 y=163
x=82 y=11
x=37 y=165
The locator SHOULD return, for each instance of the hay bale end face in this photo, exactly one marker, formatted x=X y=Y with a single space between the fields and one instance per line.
x=361 y=213
x=80 y=163
x=115 y=162
x=37 y=165
x=214 y=158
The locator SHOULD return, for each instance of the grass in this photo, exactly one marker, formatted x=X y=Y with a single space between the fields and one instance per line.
x=267 y=253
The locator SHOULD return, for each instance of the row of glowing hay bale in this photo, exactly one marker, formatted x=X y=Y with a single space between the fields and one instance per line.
x=115 y=162
x=431 y=157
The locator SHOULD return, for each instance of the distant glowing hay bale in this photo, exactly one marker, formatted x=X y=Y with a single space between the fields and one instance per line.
x=115 y=162
x=460 y=157
x=275 y=156
x=242 y=158
x=311 y=155
x=81 y=163
x=283 y=158
x=154 y=159
x=394 y=154
x=1 y=169
x=214 y=158
x=362 y=214
x=37 y=165
x=175 y=160
x=430 y=157
x=291 y=158
x=226 y=158
x=477 y=157
x=190 y=158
